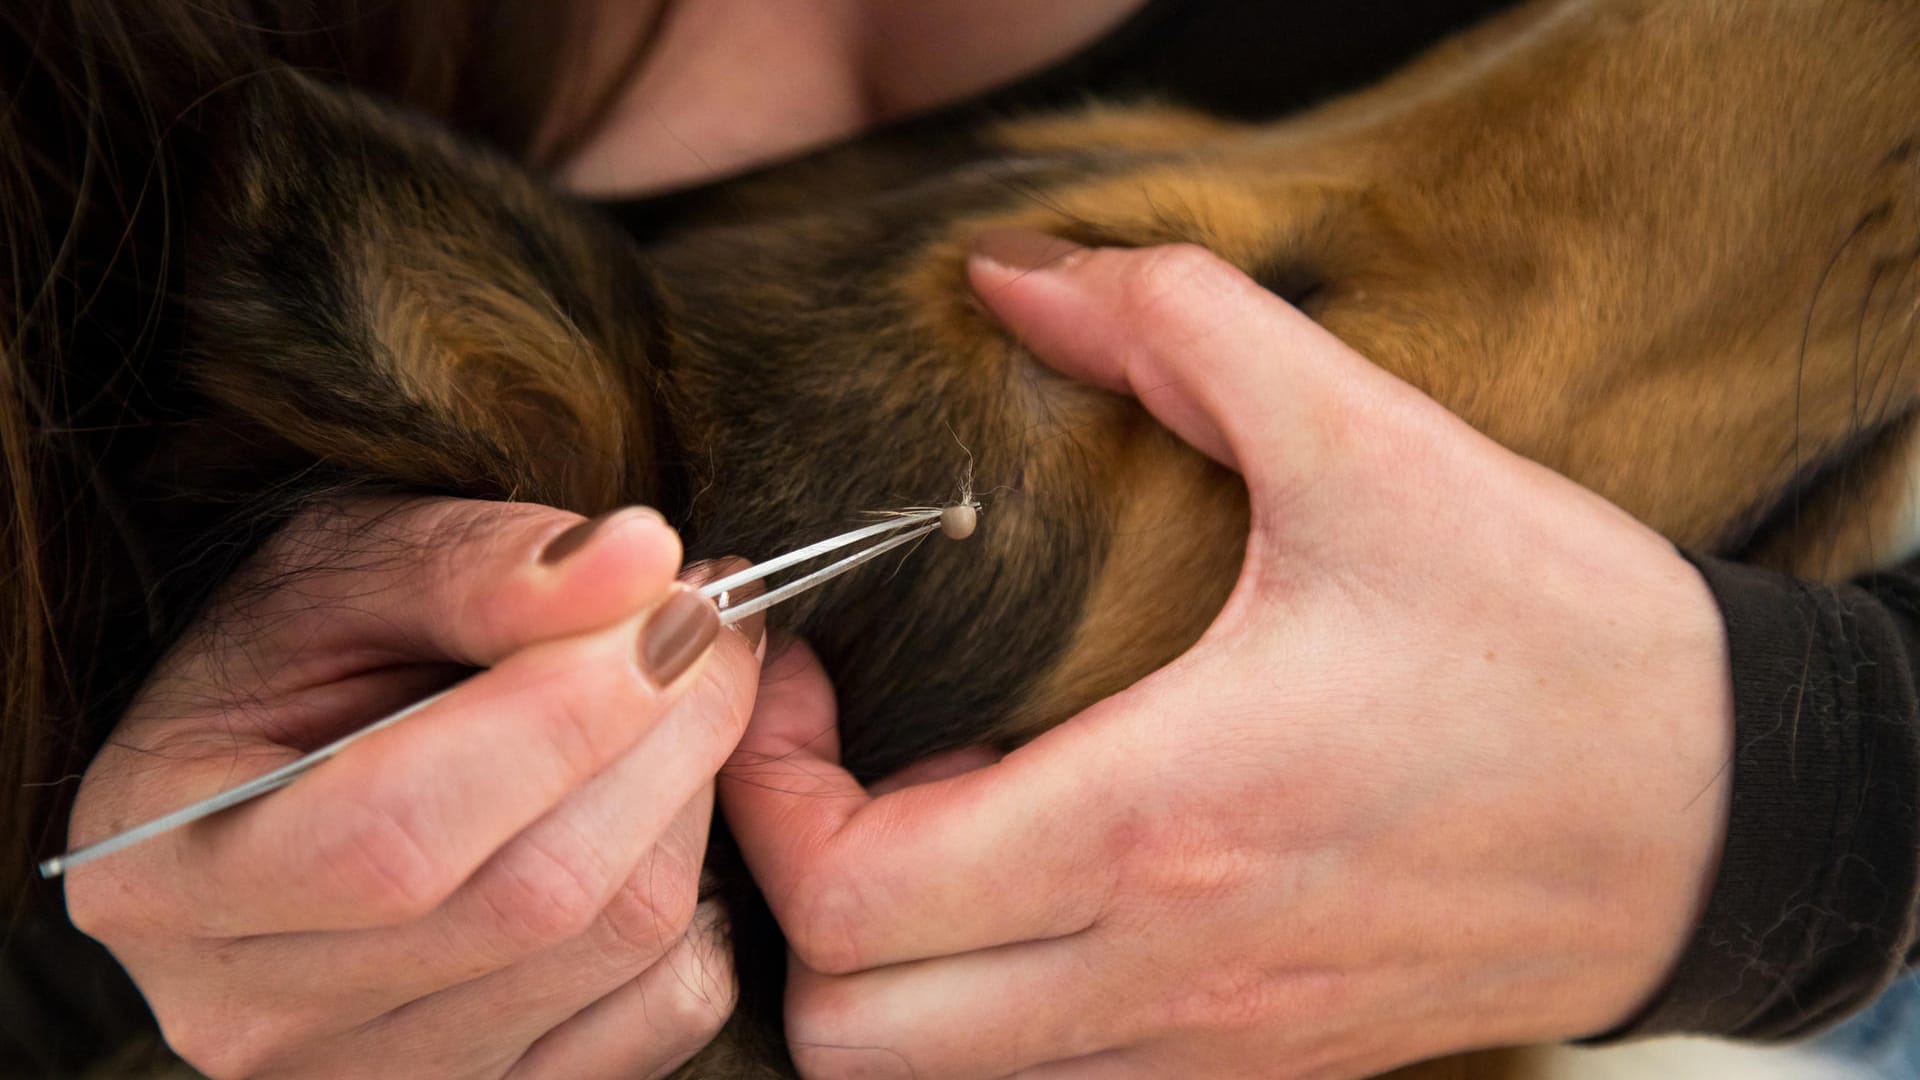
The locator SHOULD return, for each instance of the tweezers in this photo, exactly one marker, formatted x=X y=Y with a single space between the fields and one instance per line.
x=897 y=530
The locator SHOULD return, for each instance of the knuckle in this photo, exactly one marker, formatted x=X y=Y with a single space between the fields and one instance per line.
x=540 y=896
x=217 y=1044
x=699 y=1000
x=1156 y=276
x=573 y=716
x=1199 y=877
x=824 y=927
x=1169 y=862
x=652 y=908
x=458 y=533
x=385 y=871
x=93 y=912
x=1134 y=846
x=498 y=538
x=1232 y=998
x=723 y=697
x=694 y=1013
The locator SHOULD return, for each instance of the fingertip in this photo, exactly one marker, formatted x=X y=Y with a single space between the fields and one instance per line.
x=1003 y=257
x=570 y=576
x=573 y=538
x=463 y=581
x=1027 y=279
x=1124 y=320
x=632 y=538
x=796 y=705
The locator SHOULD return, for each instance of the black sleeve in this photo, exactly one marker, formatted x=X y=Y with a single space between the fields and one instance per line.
x=1252 y=59
x=1815 y=907
x=1817 y=904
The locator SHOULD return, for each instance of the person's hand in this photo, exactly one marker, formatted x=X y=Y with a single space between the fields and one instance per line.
x=503 y=884
x=1449 y=771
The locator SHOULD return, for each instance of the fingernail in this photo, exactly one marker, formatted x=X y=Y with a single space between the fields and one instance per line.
x=576 y=538
x=676 y=634
x=1023 y=251
x=754 y=626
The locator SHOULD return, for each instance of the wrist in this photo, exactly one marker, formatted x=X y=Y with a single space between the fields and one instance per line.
x=1820 y=829
x=1673 y=804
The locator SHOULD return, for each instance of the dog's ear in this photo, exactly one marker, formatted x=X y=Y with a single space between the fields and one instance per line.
x=404 y=308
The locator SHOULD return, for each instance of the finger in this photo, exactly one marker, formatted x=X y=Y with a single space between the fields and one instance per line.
x=546 y=886
x=1108 y=1065
x=650 y=1026
x=387 y=830
x=260 y=1009
x=1231 y=368
x=939 y=868
x=1042 y=1002
x=938 y=767
x=445 y=580
x=485 y=1025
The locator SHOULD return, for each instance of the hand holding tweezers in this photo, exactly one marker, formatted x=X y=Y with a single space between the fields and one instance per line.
x=897 y=530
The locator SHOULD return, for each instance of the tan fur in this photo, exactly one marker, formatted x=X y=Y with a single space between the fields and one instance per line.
x=1681 y=298
x=1176 y=503
x=1107 y=127
x=505 y=360
x=1522 y=227
x=1129 y=626
x=1518 y=226
x=1666 y=247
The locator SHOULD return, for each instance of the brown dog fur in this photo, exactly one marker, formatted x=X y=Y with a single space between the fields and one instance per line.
x=1666 y=247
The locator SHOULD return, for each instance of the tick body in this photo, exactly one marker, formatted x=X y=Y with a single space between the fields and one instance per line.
x=957 y=521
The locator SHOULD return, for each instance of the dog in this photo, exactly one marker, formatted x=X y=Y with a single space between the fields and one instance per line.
x=1665 y=247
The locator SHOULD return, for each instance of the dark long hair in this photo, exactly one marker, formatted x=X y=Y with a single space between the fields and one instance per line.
x=102 y=105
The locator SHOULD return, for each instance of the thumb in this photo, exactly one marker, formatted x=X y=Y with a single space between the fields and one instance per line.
x=792 y=746
x=456 y=580
x=1228 y=366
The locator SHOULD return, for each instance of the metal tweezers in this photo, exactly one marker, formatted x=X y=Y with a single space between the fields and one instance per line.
x=899 y=529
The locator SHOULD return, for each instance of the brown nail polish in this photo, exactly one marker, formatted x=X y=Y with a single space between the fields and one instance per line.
x=572 y=540
x=676 y=635
x=1026 y=251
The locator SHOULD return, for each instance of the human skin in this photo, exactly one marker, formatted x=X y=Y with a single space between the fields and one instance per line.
x=722 y=85
x=253 y=971
x=1449 y=771
x=349 y=925
x=503 y=885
